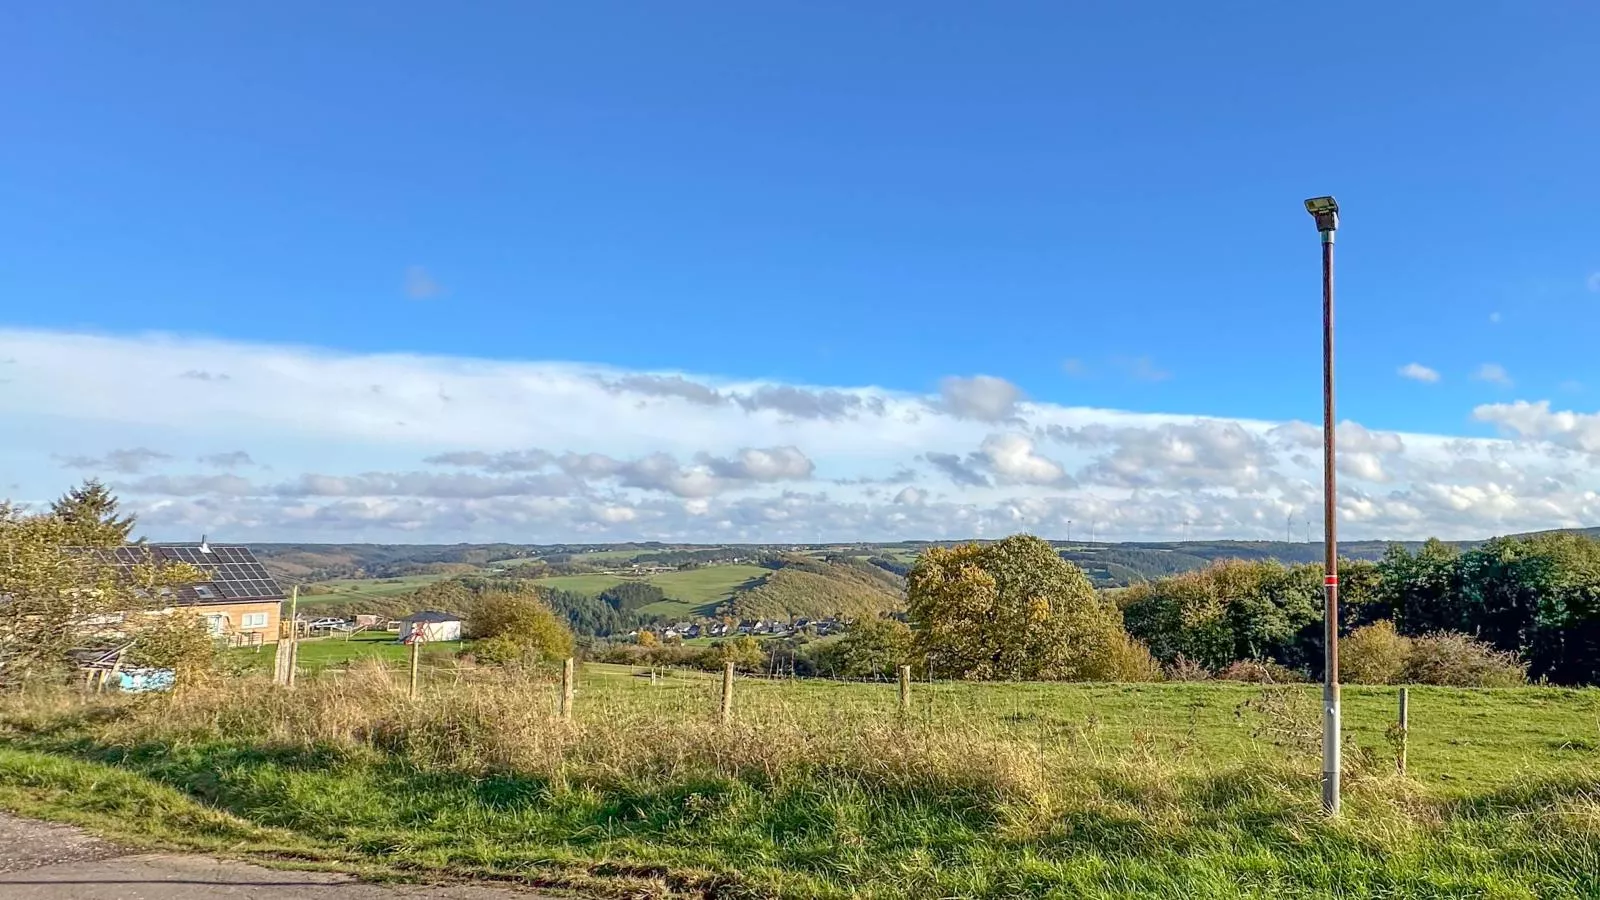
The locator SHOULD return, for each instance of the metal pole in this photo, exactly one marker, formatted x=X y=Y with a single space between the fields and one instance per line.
x=1330 y=539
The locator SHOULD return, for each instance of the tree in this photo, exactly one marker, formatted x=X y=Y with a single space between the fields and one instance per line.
x=743 y=651
x=1231 y=610
x=628 y=596
x=58 y=595
x=521 y=627
x=1013 y=609
x=875 y=648
x=1424 y=589
x=176 y=640
x=90 y=513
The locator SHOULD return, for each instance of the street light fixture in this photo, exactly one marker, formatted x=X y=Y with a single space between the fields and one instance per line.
x=1326 y=211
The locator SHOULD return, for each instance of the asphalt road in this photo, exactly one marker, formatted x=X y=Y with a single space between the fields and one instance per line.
x=56 y=862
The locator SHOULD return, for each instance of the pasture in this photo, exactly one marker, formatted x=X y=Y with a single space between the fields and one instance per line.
x=347 y=588
x=823 y=789
x=317 y=654
x=690 y=592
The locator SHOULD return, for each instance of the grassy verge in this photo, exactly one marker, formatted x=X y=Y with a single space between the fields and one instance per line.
x=821 y=790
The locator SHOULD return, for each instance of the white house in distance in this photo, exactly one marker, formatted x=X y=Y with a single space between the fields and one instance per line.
x=430 y=626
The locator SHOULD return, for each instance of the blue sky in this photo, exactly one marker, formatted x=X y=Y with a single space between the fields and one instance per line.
x=1099 y=204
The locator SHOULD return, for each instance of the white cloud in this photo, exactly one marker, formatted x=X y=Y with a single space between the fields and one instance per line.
x=1494 y=373
x=1419 y=372
x=1536 y=421
x=1012 y=458
x=981 y=397
x=349 y=446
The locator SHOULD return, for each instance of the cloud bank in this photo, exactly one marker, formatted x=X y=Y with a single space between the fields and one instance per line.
x=306 y=444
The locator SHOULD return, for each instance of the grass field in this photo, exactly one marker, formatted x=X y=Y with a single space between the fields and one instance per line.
x=690 y=592
x=822 y=789
x=321 y=653
x=345 y=588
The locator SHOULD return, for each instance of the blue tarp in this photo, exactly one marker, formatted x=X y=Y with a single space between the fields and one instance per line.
x=138 y=681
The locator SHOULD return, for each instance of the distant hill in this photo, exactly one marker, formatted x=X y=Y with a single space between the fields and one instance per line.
x=805 y=586
x=707 y=572
x=1118 y=565
x=304 y=563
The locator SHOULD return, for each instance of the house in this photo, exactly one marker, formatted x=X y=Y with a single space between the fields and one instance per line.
x=430 y=625
x=238 y=600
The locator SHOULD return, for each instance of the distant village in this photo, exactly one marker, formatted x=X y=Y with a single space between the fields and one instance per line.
x=756 y=628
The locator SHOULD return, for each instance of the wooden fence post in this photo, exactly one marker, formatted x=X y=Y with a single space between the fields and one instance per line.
x=294 y=662
x=905 y=690
x=416 y=656
x=1405 y=728
x=566 y=690
x=727 y=693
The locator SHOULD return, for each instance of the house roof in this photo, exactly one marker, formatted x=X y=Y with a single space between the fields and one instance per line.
x=431 y=616
x=232 y=573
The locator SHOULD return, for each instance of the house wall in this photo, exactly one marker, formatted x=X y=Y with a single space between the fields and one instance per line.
x=235 y=613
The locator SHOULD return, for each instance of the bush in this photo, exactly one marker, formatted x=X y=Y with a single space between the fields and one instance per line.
x=1452 y=658
x=1376 y=654
x=178 y=641
x=499 y=650
x=1183 y=668
x=513 y=626
x=1260 y=671
x=876 y=648
x=1123 y=658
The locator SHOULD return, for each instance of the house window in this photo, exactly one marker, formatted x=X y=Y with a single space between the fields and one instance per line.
x=253 y=620
x=203 y=592
x=217 y=624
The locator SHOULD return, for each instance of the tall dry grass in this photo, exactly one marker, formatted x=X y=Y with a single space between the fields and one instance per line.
x=915 y=803
x=505 y=723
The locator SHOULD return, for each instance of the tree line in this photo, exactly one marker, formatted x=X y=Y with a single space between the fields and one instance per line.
x=1534 y=601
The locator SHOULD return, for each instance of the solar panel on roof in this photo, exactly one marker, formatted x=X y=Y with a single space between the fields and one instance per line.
x=230 y=573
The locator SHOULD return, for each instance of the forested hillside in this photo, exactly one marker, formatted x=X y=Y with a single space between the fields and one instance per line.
x=804 y=586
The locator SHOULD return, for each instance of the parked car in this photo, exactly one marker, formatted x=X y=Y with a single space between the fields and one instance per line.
x=324 y=624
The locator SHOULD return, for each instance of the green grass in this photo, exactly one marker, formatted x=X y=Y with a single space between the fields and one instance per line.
x=690 y=592
x=322 y=653
x=344 y=588
x=699 y=591
x=818 y=789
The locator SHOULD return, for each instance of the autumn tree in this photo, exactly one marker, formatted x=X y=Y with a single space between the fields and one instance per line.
x=90 y=513
x=875 y=648
x=55 y=594
x=743 y=651
x=518 y=627
x=1013 y=609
